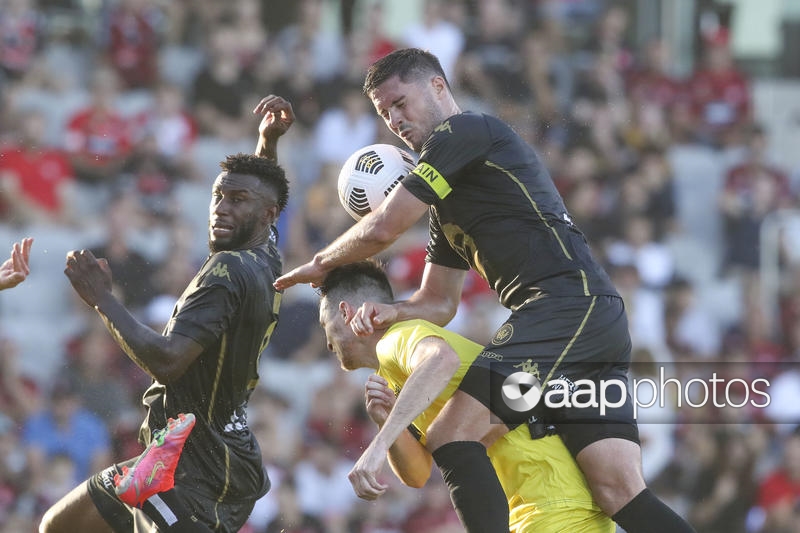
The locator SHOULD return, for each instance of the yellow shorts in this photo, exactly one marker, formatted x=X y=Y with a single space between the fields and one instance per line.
x=546 y=491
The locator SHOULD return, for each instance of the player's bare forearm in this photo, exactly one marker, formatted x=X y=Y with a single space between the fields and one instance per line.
x=267 y=148
x=410 y=461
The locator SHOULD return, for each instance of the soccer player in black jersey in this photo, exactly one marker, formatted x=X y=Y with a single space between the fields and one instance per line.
x=493 y=207
x=204 y=363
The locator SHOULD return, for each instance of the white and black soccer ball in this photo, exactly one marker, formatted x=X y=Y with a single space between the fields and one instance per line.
x=369 y=175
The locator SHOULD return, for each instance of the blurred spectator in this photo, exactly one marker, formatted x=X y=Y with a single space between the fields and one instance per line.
x=377 y=517
x=548 y=75
x=719 y=93
x=491 y=65
x=753 y=190
x=171 y=126
x=779 y=493
x=651 y=80
x=337 y=417
x=439 y=36
x=66 y=427
x=95 y=366
x=36 y=181
x=434 y=512
x=690 y=328
x=608 y=38
x=19 y=394
x=368 y=44
x=250 y=31
x=325 y=49
x=46 y=491
x=291 y=518
x=724 y=490
x=653 y=260
x=14 y=475
x=98 y=141
x=21 y=35
x=132 y=31
x=644 y=306
x=351 y=121
x=222 y=86
x=133 y=273
x=323 y=490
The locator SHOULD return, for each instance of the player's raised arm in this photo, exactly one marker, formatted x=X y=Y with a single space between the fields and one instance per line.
x=278 y=117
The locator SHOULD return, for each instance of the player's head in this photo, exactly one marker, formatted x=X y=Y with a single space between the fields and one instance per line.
x=345 y=288
x=411 y=93
x=246 y=199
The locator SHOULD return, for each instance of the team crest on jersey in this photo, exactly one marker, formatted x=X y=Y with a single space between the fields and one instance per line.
x=503 y=334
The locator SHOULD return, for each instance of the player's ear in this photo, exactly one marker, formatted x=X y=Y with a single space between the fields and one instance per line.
x=439 y=84
x=346 y=311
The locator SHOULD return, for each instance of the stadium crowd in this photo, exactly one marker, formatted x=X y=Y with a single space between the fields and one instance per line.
x=114 y=116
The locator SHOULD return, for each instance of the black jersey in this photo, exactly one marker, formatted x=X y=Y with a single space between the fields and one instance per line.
x=495 y=208
x=230 y=308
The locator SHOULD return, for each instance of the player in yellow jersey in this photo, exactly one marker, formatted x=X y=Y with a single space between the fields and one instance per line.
x=418 y=367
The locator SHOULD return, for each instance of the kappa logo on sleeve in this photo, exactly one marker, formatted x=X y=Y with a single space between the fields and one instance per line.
x=221 y=271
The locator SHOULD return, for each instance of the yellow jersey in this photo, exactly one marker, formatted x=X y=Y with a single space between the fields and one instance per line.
x=546 y=490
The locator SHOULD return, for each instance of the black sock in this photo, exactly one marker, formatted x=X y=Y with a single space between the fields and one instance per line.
x=170 y=515
x=476 y=492
x=646 y=513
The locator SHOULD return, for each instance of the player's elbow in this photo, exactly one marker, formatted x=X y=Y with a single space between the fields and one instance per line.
x=416 y=482
x=382 y=235
x=418 y=477
x=168 y=369
x=166 y=373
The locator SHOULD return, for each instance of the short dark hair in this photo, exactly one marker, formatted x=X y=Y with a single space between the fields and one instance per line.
x=407 y=63
x=268 y=171
x=366 y=278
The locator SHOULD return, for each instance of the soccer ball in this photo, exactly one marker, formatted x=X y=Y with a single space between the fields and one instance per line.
x=369 y=175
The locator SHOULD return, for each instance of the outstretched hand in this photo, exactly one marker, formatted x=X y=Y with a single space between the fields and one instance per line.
x=17 y=267
x=308 y=273
x=278 y=116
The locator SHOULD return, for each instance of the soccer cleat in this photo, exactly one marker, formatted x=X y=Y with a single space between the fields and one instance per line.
x=154 y=470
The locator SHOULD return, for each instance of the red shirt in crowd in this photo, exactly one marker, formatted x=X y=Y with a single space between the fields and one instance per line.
x=40 y=173
x=97 y=134
x=778 y=488
x=133 y=47
x=719 y=98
